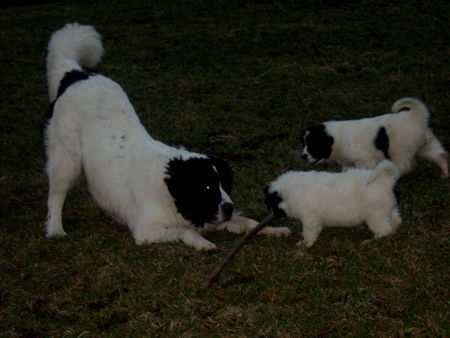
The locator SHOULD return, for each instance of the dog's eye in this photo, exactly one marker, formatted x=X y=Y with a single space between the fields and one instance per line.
x=207 y=187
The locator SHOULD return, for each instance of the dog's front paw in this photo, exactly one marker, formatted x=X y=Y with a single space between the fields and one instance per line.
x=276 y=231
x=204 y=245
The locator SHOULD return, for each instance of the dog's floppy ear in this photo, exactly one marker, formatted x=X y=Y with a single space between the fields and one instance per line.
x=225 y=173
x=273 y=200
x=302 y=136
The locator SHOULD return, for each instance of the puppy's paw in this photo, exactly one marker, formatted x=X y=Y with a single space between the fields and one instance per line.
x=304 y=244
x=276 y=231
x=56 y=233
x=139 y=241
x=366 y=242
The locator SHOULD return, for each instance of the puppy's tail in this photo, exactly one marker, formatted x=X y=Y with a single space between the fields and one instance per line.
x=386 y=171
x=418 y=110
x=71 y=48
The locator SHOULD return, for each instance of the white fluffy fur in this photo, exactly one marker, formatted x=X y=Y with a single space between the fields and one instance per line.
x=94 y=128
x=409 y=136
x=322 y=199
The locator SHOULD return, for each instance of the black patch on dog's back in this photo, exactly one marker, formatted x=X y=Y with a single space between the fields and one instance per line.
x=318 y=142
x=382 y=142
x=69 y=79
x=273 y=200
x=195 y=186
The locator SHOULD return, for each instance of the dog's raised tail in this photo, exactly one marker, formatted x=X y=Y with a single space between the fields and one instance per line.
x=416 y=108
x=72 y=47
x=385 y=170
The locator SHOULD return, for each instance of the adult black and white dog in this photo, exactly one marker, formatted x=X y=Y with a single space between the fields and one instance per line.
x=162 y=193
x=323 y=199
x=399 y=136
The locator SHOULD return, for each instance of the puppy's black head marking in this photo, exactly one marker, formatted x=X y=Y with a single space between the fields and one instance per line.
x=318 y=142
x=382 y=142
x=194 y=184
x=273 y=200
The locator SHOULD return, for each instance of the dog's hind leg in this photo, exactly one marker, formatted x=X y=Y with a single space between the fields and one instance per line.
x=433 y=151
x=63 y=168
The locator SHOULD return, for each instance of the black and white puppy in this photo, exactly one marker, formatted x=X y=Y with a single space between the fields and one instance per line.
x=323 y=199
x=399 y=136
x=162 y=193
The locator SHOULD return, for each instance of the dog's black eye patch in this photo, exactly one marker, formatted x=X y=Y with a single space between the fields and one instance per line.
x=273 y=200
x=194 y=184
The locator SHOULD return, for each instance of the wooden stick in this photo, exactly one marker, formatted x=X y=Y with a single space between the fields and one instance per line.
x=244 y=239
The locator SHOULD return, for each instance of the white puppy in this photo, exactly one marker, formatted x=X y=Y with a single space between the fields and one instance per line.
x=320 y=199
x=399 y=136
x=162 y=193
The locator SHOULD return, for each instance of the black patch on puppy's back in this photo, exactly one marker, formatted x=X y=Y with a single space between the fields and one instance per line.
x=273 y=200
x=194 y=184
x=318 y=142
x=382 y=142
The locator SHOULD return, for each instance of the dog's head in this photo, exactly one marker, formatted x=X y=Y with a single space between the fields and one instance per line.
x=317 y=144
x=273 y=200
x=201 y=188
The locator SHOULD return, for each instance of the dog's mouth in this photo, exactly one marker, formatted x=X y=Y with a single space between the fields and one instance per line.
x=222 y=216
x=220 y=220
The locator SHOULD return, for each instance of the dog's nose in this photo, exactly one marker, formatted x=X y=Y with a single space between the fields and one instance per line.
x=304 y=157
x=227 y=209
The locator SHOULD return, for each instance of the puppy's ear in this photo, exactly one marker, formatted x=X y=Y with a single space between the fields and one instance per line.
x=273 y=200
x=225 y=173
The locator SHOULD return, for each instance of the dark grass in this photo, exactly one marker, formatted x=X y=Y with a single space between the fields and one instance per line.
x=239 y=80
